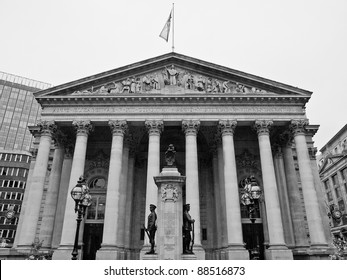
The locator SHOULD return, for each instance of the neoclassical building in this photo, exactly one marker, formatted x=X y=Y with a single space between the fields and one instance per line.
x=114 y=128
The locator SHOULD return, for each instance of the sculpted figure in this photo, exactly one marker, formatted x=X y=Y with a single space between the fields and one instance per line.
x=173 y=73
x=216 y=86
x=200 y=84
x=155 y=82
x=151 y=227
x=126 y=85
x=146 y=82
x=188 y=225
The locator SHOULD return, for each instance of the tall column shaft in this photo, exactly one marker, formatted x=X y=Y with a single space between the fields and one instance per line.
x=77 y=170
x=112 y=226
x=154 y=129
x=32 y=211
x=47 y=225
x=296 y=209
x=314 y=218
x=62 y=197
x=192 y=176
x=129 y=204
x=275 y=225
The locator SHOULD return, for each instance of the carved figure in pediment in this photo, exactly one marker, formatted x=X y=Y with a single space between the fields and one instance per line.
x=116 y=88
x=189 y=84
x=226 y=87
x=133 y=85
x=103 y=90
x=138 y=85
x=209 y=87
x=146 y=80
x=126 y=85
x=172 y=75
x=239 y=88
x=200 y=83
x=216 y=86
x=155 y=82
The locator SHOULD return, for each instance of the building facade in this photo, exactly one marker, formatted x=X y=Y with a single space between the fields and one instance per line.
x=333 y=172
x=18 y=110
x=226 y=126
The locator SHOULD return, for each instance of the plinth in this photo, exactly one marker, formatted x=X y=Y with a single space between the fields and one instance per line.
x=170 y=214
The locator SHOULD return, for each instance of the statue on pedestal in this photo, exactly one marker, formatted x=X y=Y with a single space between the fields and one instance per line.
x=188 y=226
x=151 y=227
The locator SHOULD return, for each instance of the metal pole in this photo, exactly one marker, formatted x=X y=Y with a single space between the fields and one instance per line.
x=173 y=27
x=75 y=248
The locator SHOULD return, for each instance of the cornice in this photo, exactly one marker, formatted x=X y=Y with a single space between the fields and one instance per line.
x=209 y=99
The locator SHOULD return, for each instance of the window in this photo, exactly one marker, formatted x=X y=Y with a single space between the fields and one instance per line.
x=329 y=196
x=341 y=205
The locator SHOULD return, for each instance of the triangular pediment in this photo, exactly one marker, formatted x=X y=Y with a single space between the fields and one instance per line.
x=331 y=160
x=172 y=74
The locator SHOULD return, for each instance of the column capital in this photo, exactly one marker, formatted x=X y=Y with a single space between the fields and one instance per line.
x=227 y=127
x=190 y=126
x=298 y=126
x=83 y=127
x=118 y=127
x=47 y=128
x=263 y=126
x=154 y=126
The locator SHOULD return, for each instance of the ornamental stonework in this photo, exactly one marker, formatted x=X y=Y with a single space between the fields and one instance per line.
x=119 y=127
x=83 y=127
x=154 y=126
x=227 y=127
x=171 y=78
x=263 y=126
x=48 y=128
x=169 y=193
x=190 y=126
x=298 y=126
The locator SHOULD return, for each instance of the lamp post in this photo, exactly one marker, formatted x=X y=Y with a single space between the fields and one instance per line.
x=252 y=193
x=82 y=198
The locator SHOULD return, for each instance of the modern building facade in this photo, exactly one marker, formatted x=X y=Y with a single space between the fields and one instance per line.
x=18 y=109
x=226 y=126
x=333 y=172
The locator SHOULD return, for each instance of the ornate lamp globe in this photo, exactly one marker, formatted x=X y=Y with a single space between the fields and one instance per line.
x=77 y=192
x=255 y=191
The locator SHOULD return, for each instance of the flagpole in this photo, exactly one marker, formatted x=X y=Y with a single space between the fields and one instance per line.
x=173 y=26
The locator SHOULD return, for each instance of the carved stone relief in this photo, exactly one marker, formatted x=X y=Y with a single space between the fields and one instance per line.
x=168 y=78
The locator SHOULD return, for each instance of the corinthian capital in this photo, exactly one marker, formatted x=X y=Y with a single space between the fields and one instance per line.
x=82 y=127
x=298 y=126
x=190 y=126
x=263 y=126
x=47 y=128
x=227 y=127
x=154 y=126
x=119 y=127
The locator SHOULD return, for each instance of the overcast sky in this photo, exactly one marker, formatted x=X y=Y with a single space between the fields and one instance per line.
x=297 y=42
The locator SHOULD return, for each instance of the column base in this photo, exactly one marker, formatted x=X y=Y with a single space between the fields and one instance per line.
x=278 y=253
x=199 y=252
x=144 y=253
x=189 y=257
x=64 y=253
x=110 y=253
x=235 y=253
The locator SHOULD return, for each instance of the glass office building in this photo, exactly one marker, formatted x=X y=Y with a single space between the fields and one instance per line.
x=18 y=110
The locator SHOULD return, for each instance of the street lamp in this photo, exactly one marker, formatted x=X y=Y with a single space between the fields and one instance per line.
x=252 y=193
x=82 y=198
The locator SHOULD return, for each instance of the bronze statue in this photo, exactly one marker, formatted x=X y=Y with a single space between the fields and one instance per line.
x=151 y=227
x=188 y=226
x=170 y=156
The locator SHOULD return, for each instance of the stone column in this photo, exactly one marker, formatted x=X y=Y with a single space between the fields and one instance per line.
x=63 y=195
x=235 y=249
x=154 y=128
x=32 y=211
x=314 y=219
x=83 y=128
x=33 y=151
x=130 y=199
x=297 y=213
x=283 y=197
x=47 y=224
x=277 y=248
x=217 y=203
x=190 y=128
x=112 y=242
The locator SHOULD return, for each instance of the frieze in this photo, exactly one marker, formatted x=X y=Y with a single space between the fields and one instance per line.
x=171 y=78
x=174 y=110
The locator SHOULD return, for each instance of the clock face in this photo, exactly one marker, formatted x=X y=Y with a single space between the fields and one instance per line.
x=10 y=214
x=337 y=214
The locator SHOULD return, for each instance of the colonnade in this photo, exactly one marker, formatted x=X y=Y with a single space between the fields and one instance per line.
x=227 y=204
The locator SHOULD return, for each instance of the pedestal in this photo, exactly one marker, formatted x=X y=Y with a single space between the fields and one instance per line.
x=170 y=214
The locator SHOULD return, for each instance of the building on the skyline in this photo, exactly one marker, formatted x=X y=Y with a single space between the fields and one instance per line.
x=232 y=132
x=18 y=109
x=333 y=173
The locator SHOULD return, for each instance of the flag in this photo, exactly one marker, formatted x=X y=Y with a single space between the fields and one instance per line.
x=166 y=29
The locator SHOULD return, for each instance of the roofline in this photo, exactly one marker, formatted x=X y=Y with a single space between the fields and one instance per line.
x=333 y=138
x=168 y=56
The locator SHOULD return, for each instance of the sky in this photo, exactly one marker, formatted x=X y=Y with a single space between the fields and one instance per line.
x=302 y=43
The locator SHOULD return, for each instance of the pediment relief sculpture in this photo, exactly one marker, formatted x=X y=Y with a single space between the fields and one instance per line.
x=171 y=79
